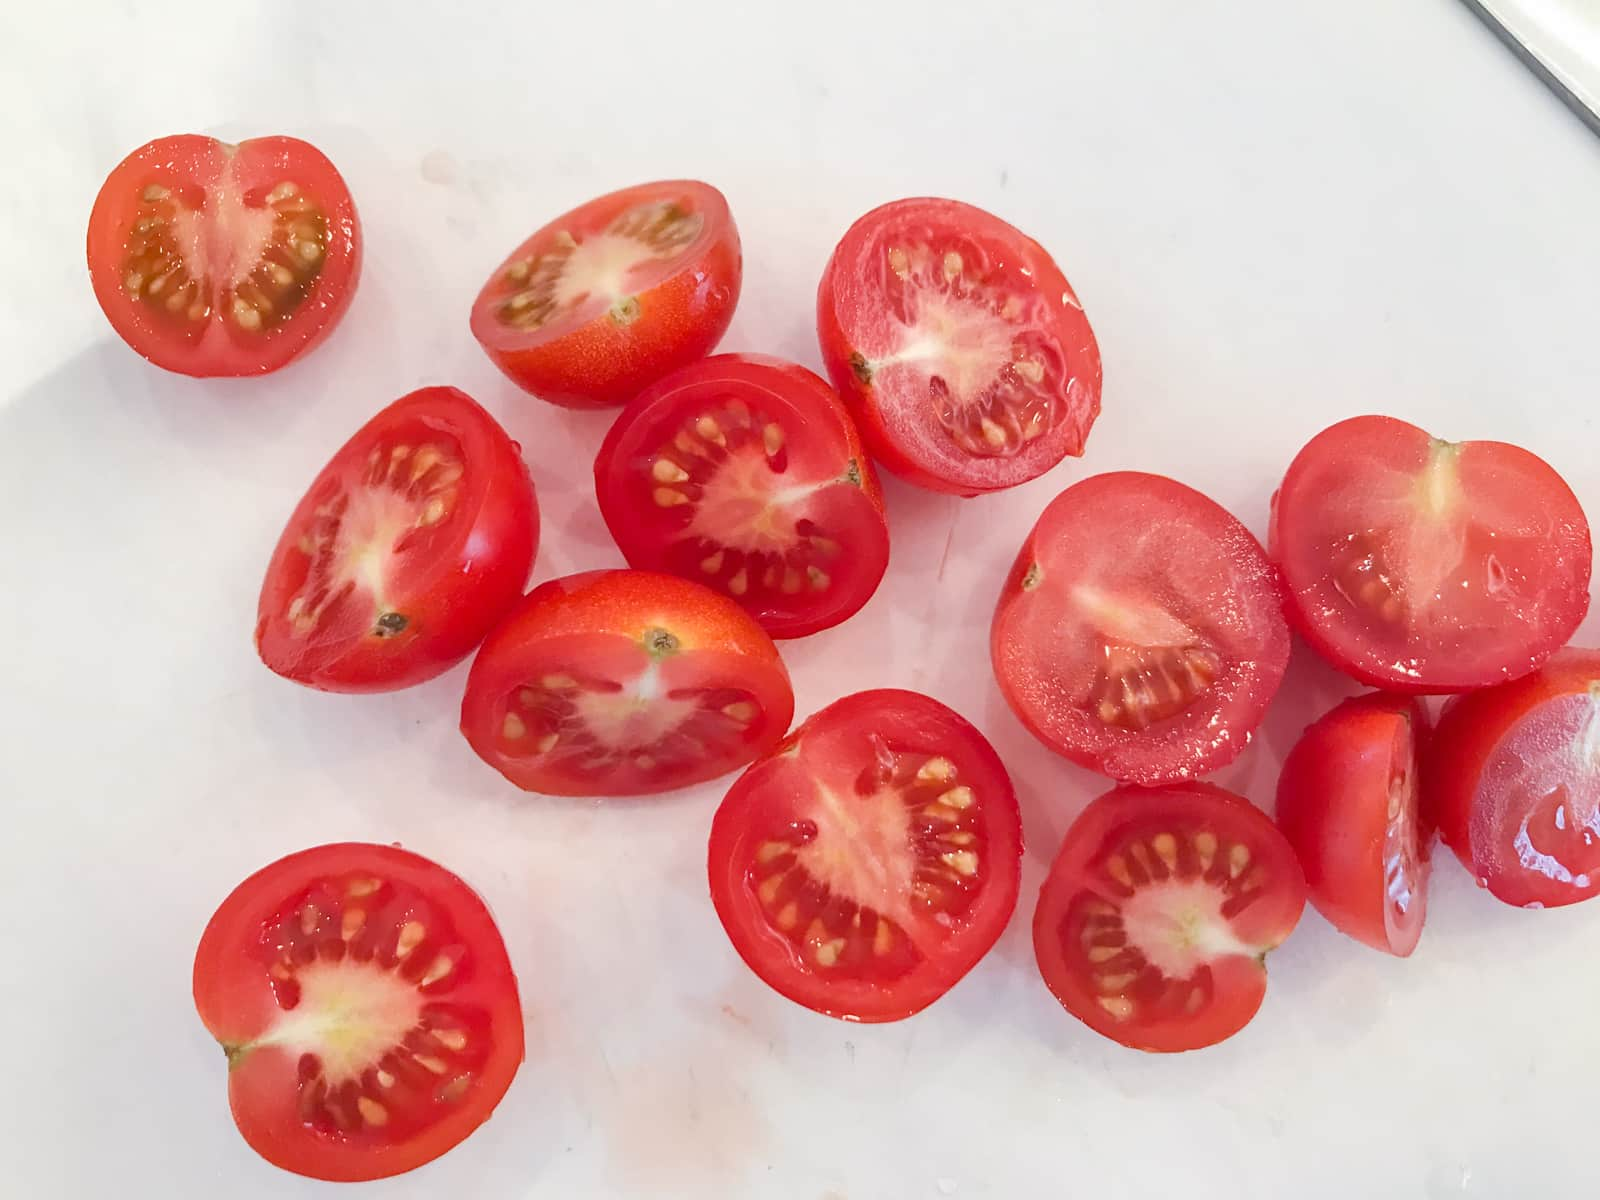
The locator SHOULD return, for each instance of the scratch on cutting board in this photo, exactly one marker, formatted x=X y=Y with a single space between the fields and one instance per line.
x=936 y=593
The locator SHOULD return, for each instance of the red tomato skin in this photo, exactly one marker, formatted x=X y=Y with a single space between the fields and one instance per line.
x=465 y=602
x=220 y=354
x=602 y=365
x=1332 y=806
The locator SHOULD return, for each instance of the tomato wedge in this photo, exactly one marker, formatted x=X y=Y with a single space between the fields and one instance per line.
x=746 y=473
x=869 y=862
x=611 y=296
x=624 y=683
x=1155 y=920
x=215 y=259
x=411 y=544
x=1513 y=780
x=367 y=1008
x=959 y=346
x=1348 y=803
x=1420 y=565
x=1141 y=631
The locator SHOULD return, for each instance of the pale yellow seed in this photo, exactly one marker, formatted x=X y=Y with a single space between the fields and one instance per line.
x=711 y=564
x=791 y=581
x=350 y=925
x=385 y=1079
x=528 y=696
x=310 y=918
x=558 y=683
x=245 y=316
x=992 y=433
x=957 y=797
x=708 y=428
x=882 y=937
x=771 y=850
x=281 y=275
x=1120 y=1007
x=437 y=1065
x=962 y=862
x=310 y=251
x=156 y=192
x=936 y=770
x=952 y=264
x=1029 y=370
x=1115 y=983
x=958 y=837
x=644 y=762
x=283 y=191
x=134 y=281
x=427 y=458
x=828 y=951
x=788 y=916
x=1117 y=868
x=740 y=583
x=411 y=935
x=898 y=262
x=818 y=578
x=547 y=743
x=1238 y=859
x=664 y=470
x=432 y=511
x=513 y=726
x=451 y=1039
x=743 y=711
x=767 y=889
x=371 y=1111
x=939 y=812
x=1205 y=845
x=666 y=497
x=1100 y=954
x=772 y=439
x=437 y=970
x=362 y=887
x=1166 y=848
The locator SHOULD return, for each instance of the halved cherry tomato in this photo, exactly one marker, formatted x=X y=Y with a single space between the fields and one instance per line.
x=746 y=473
x=1155 y=920
x=1427 y=566
x=869 y=862
x=959 y=346
x=1348 y=803
x=215 y=259
x=1141 y=631
x=1513 y=780
x=367 y=1008
x=410 y=546
x=611 y=296
x=624 y=683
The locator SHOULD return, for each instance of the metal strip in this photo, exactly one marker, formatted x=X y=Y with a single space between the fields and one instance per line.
x=1537 y=65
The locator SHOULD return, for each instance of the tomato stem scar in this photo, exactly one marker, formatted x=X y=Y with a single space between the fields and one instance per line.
x=659 y=643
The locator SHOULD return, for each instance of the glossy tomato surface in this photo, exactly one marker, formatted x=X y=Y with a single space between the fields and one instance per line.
x=624 y=683
x=1513 y=781
x=960 y=347
x=1421 y=565
x=869 y=862
x=746 y=473
x=410 y=545
x=1349 y=803
x=609 y=297
x=367 y=1008
x=215 y=259
x=1155 y=920
x=1140 y=632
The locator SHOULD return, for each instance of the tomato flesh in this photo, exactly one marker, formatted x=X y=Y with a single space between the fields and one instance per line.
x=868 y=863
x=1155 y=920
x=367 y=1008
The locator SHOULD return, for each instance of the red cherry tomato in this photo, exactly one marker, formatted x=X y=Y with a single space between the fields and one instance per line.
x=1348 y=803
x=1513 y=779
x=410 y=545
x=1155 y=920
x=367 y=1008
x=869 y=862
x=214 y=259
x=1427 y=566
x=959 y=346
x=623 y=683
x=613 y=295
x=746 y=473
x=1140 y=632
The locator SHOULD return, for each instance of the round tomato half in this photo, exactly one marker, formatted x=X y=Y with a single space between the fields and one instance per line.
x=215 y=259
x=1155 y=920
x=1427 y=566
x=1141 y=631
x=366 y=1005
x=1348 y=803
x=959 y=346
x=1513 y=781
x=611 y=296
x=624 y=683
x=869 y=862
x=746 y=473
x=410 y=546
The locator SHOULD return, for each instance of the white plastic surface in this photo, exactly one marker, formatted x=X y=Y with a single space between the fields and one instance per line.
x=1276 y=214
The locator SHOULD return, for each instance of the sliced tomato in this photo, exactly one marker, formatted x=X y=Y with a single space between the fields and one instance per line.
x=868 y=863
x=1154 y=923
x=1348 y=803
x=408 y=548
x=215 y=259
x=1427 y=566
x=624 y=683
x=366 y=1005
x=611 y=296
x=1141 y=631
x=746 y=473
x=959 y=346
x=1513 y=781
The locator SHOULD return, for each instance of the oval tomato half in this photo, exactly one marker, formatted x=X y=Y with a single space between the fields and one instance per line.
x=367 y=1008
x=746 y=473
x=1427 y=566
x=1155 y=920
x=624 y=683
x=959 y=346
x=1348 y=803
x=410 y=545
x=1513 y=781
x=611 y=296
x=215 y=259
x=1141 y=631
x=868 y=863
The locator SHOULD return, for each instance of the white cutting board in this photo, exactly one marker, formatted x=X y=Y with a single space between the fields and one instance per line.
x=1277 y=215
